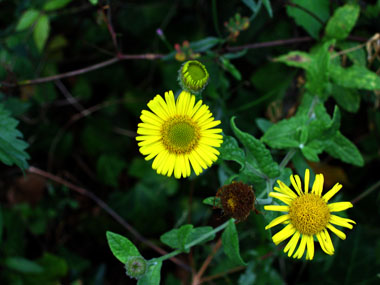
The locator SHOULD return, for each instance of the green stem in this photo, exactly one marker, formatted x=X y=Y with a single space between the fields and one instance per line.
x=287 y=158
x=194 y=242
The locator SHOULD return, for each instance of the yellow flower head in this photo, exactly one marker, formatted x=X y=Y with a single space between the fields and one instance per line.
x=177 y=134
x=308 y=215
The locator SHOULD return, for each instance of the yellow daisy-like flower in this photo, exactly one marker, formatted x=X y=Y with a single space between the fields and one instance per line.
x=177 y=134
x=308 y=215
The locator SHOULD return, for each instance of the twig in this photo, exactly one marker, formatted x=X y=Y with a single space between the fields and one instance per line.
x=366 y=192
x=270 y=44
x=219 y=275
x=109 y=210
x=107 y=20
x=206 y=263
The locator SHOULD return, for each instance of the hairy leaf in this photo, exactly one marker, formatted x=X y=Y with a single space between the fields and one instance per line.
x=355 y=77
x=153 y=274
x=230 y=150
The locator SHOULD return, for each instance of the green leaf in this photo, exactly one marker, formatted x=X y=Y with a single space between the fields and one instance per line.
x=205 y=44
x=41 y=31
x=261 y=154
x=252 y=5
x=342 y=22
x=27 y=19
x=317 y=73
x=179 y=238
x=268 y=7
x=296 y=59
x=357 y=56
x=342 y=148
x=212 y=201
x=109 y=168
x=55 y=4
x=355 y=77
x=12 y=148
x=319 y=8
x=263 y=124
x=94 y=2
x=347 y=98
x=311 y=151
x=230 y=241
x=230 y=150
x=153 y=274
x=121 y=247
x=230 y=68
x=286 y=133
x=322 y=127
x=23 y=265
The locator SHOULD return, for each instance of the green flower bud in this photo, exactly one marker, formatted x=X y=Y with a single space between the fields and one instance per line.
x=193 y=76
x=136 y=267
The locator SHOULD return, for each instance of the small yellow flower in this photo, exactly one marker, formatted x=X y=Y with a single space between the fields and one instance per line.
x=177 y=134
x=308 y=215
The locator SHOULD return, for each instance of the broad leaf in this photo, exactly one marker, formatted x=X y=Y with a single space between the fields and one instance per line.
x=121 y=247
x=355 y=77
x=347 y=98
x=153 y=273
x=342 y=148
x=23 y=265
x=230 y=150
x=27 y=19
x=230 y=241
x=55 y=4
x=342 y=22
x=261 y=154
x=41 y=31
x=296 y=59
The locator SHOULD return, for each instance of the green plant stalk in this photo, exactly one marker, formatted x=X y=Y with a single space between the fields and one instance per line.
x=195 y=242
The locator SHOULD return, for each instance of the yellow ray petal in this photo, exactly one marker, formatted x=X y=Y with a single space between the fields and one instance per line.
x=276 y=208
x=332 y=192
x=339 y=206
x=343 y=222
x=310 y=247
x=284 y=234
x=301 y=249
x=282 y=197
x=277 y=221
x=292 y=244
x=307 y=180
x=285 y=189
x=296 y=182
x=339 y=233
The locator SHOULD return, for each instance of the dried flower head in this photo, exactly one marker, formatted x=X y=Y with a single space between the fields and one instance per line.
x=237 y=200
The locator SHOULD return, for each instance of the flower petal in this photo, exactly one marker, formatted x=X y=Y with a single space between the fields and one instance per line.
x=282 y=197
x=310 y=247
x=343 y=222
x=284 y=234
x=307 y=180
x=301 y=249
x=292 y=244
x=332 y=192
x=339 y=233
x=276 y=208
x=285 y=189
x=339 y=206
x=277 y=221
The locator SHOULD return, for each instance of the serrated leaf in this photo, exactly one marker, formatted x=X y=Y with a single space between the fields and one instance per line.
x=230 y=241
x=296 y=59
x=347 y=98
x=12 y=148
x=153 y=274
x=285 y=134
x=27 y=19
x=355 y=77
x=342 y=148
x=55 y=4
x=230 y=150
x=261 y=154
x=121 y=247
x=41 y=31
x=23 y=265
x=320 y=8
x=342 y=22
x=311 y=151
x=263 y=124
x=231 y=68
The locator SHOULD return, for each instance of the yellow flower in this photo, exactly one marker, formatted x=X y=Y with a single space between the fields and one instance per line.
x=177 y=134
x=308 y=215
